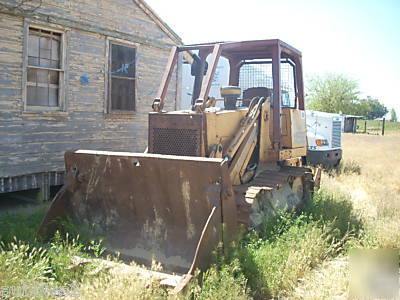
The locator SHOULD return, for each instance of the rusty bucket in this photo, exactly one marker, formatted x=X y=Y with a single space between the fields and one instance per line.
x=166 y=208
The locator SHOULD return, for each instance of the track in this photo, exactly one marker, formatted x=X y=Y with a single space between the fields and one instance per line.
x=270 y=191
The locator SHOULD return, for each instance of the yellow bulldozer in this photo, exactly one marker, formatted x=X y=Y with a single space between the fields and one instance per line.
x=227 y=163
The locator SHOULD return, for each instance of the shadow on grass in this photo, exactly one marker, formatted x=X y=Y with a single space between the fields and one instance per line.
x=22 y=227
x=22 y=224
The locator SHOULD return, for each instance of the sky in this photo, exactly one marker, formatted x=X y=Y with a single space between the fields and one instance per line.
x=360 y=39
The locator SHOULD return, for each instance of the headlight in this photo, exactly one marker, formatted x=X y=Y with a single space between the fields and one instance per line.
x=322 y=143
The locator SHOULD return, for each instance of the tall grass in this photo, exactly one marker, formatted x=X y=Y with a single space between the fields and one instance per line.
x=275 y=258
x=291 y=255
x=270 y=262
x=27 y=260
x=374 y=194
x=223 y=281
x=347 y=167
x=21 y=263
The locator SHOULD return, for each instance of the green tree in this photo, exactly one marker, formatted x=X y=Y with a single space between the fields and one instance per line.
x=370 y=108
x=393 y=116
x=333 y=93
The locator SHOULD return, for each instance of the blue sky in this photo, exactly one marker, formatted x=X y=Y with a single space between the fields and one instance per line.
x=360 y=39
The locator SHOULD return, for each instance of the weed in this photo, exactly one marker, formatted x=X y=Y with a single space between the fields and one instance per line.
x=225 y=281
x=275 y=257
x=22 y=224
x=347 y=167
x=21 y=262
x=107 y=286
x=84 y=233
x=337 y=209
x=276 y=264
x=61 y=252
x=52 y=262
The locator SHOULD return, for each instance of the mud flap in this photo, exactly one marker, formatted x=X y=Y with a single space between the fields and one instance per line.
x=148 y=206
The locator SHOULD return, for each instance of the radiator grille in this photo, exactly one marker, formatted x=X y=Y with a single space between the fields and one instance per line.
x=176 y=141
x=336 y=134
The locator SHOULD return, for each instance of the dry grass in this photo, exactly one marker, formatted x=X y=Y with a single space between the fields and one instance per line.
x=375 y=195
x=329 y=281
x=376 y=192
x=118 y=287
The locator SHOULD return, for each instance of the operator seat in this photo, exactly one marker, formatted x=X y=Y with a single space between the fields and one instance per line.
x=250 y=93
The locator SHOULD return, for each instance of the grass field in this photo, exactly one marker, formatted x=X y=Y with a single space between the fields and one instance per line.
x=294 y=256
x=375 y=197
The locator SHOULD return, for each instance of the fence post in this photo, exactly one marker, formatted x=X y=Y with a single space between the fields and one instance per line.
x=383 y=126
x=365 y=126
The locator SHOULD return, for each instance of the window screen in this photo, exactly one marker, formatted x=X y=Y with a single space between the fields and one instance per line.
x=288 y=94
x=122 y=78
x=43 y=70
x=258 y=74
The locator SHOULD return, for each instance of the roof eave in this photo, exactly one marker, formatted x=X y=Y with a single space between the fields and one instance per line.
x=156 y=18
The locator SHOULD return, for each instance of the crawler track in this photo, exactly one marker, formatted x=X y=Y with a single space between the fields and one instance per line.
x=287 y=188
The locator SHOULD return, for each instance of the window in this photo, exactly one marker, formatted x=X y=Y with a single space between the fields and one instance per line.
x=256 y=74
x=44 y=68
x=288 y=87
x=122 y=81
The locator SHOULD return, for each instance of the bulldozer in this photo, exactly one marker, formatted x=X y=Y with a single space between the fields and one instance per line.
x=221 y=166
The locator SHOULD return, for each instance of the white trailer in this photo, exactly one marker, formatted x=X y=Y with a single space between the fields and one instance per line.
x=324 y=133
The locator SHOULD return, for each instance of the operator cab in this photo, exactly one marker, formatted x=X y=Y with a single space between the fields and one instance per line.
x=264 y=72
x=255 y=79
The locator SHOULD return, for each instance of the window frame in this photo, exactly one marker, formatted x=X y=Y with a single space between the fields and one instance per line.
x=61 y=70
x=108 y=107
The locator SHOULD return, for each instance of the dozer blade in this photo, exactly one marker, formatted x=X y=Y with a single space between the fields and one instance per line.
x=148 y=206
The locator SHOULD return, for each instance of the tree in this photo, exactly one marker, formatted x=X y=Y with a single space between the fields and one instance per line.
x=393 y=116
x=371 y=108
x=333 y=93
